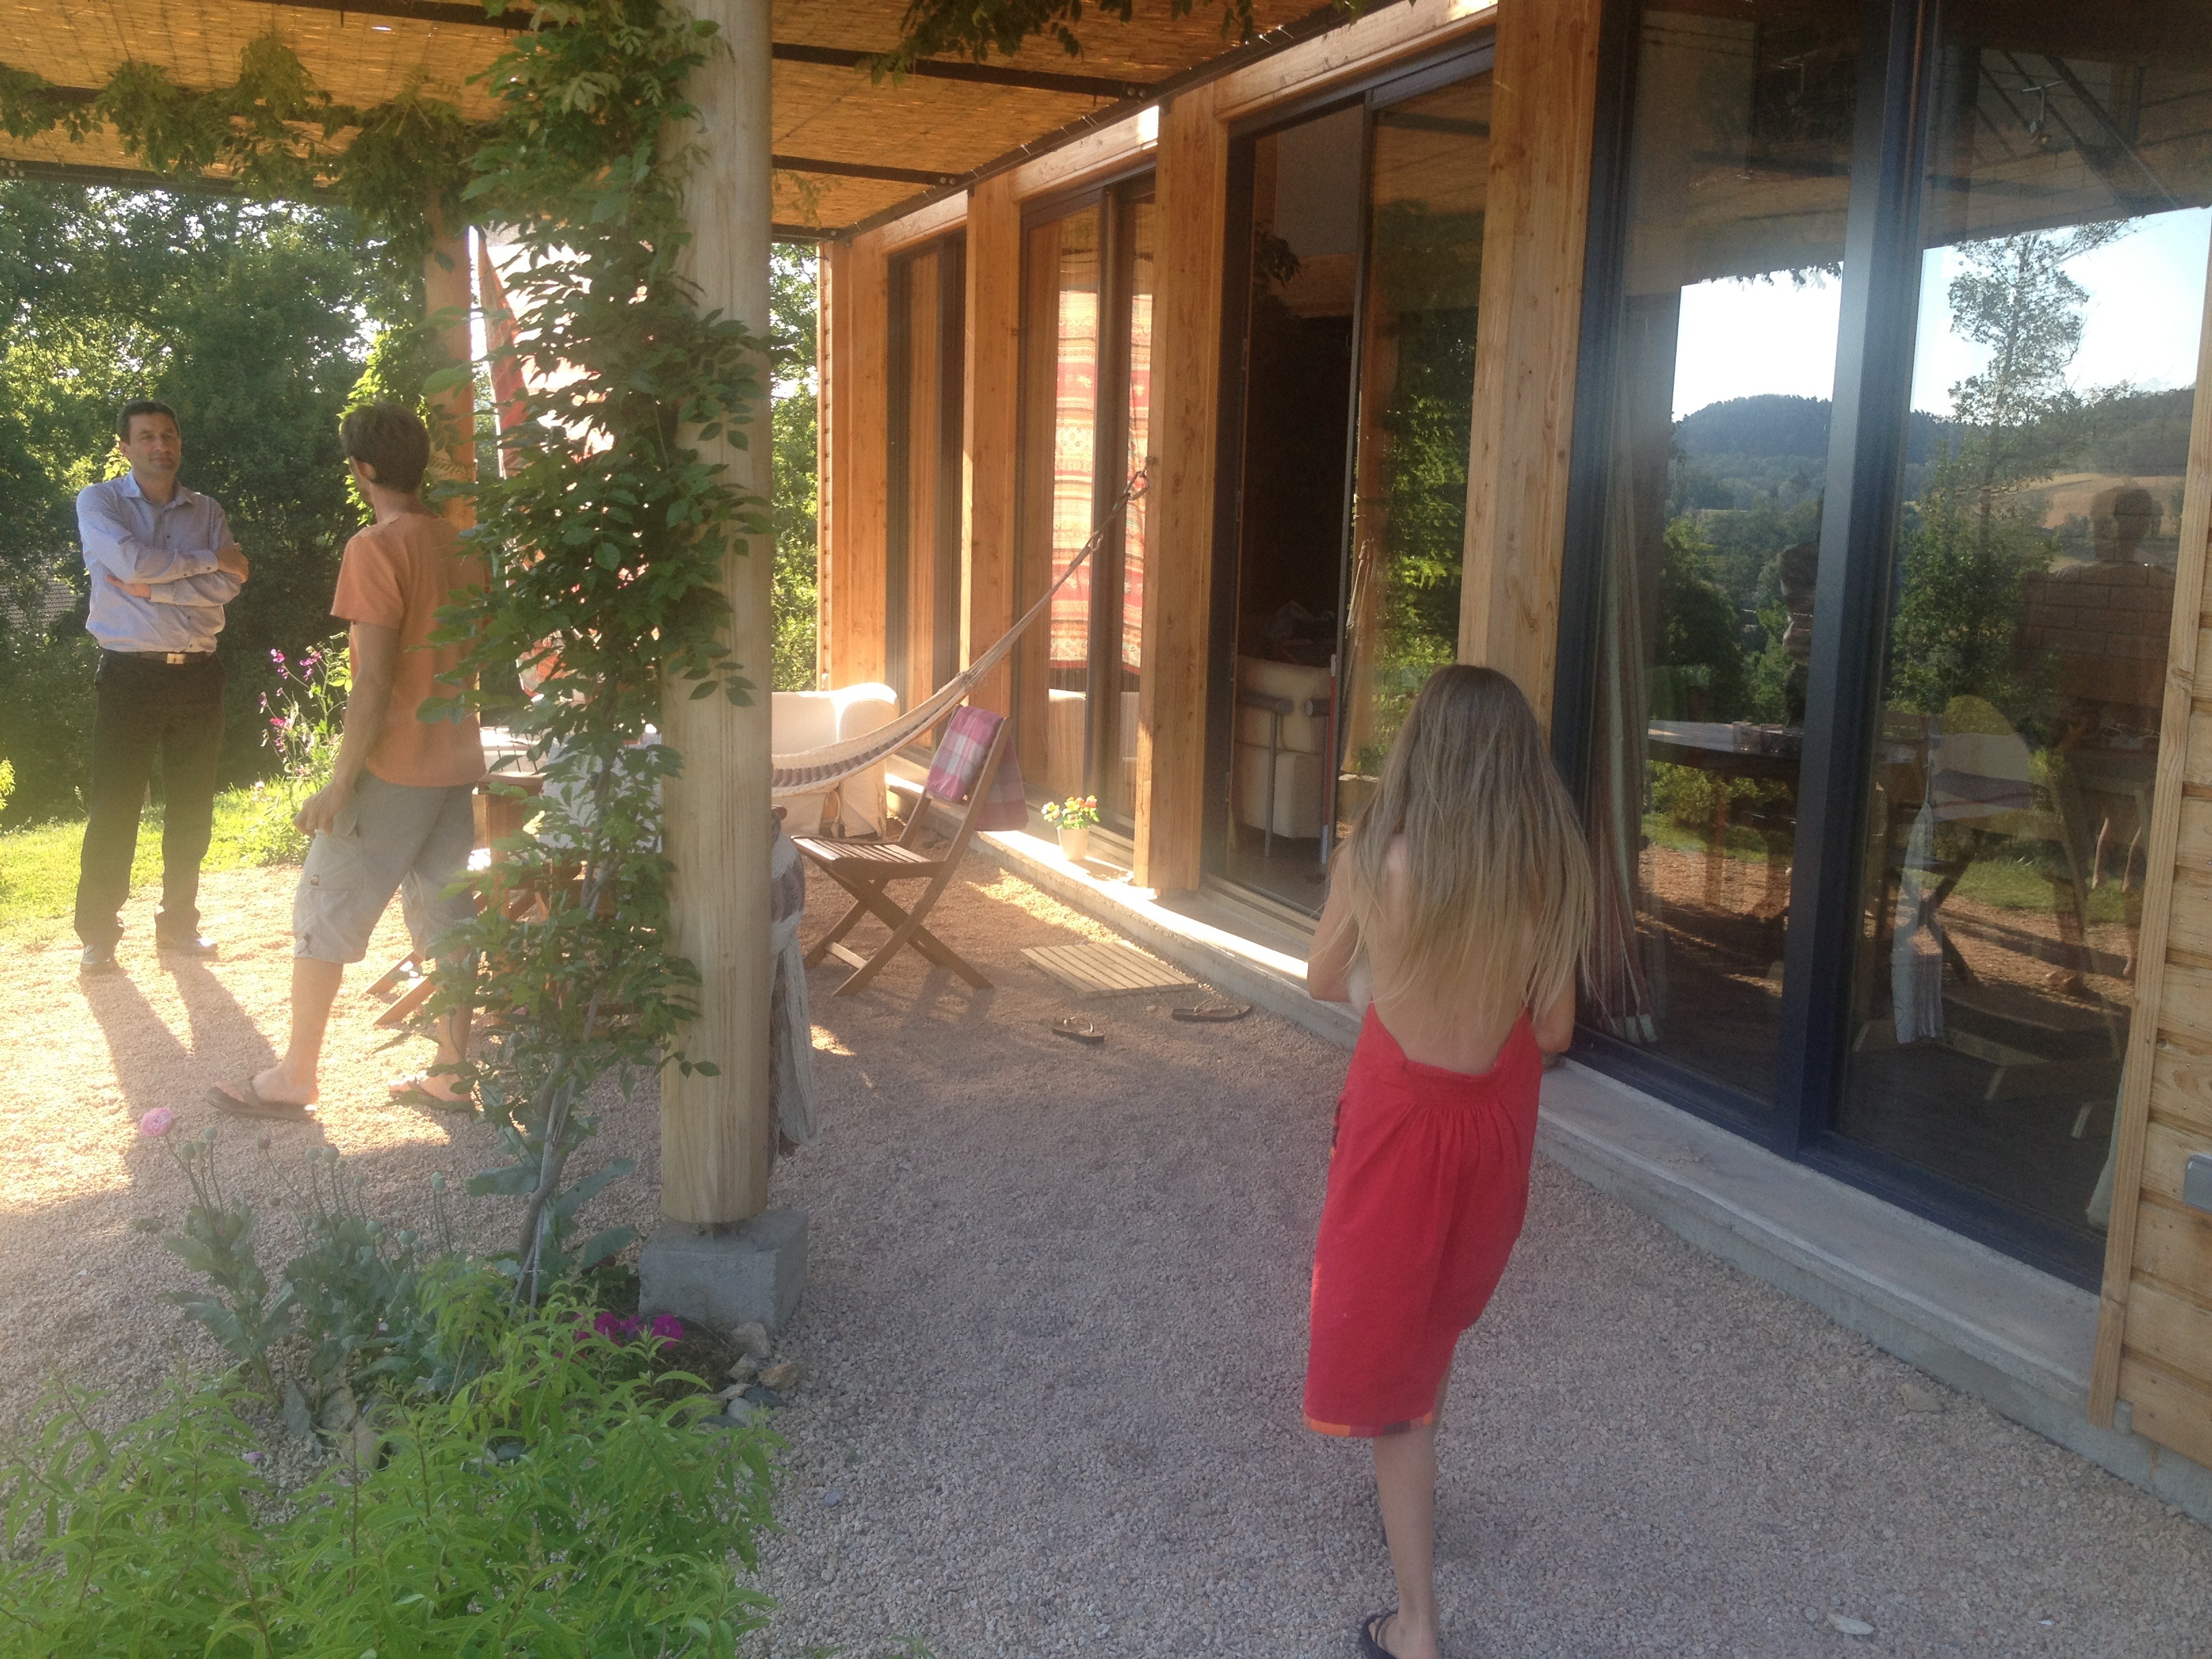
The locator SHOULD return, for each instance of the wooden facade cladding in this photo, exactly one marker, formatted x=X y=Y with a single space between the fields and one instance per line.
x=1191 y=188
x=991 y=429
x=1544 y=108
x=2154 y=1324
x=855 y=426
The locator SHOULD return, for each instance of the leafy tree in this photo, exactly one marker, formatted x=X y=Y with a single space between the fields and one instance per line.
x=2017 y=421
x=795 y=387
x=251 y=320
x=1698 y=627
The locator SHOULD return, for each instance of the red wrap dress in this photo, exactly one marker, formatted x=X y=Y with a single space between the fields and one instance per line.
x=1428 y=1185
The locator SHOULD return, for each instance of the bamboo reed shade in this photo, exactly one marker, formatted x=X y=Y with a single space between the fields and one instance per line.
x=823 y=115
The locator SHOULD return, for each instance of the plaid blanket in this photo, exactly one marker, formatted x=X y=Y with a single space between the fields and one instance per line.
x=960 y=755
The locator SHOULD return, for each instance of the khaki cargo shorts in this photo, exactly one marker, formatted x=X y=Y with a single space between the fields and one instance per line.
x=390 y=838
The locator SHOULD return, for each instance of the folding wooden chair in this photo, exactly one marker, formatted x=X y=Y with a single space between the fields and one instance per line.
x=865 y=869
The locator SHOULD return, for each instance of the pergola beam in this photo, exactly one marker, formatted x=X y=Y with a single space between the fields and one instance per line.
x=984 y=75
x=865 y=170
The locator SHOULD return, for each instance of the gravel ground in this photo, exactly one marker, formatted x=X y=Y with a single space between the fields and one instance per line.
x=1054 y=1325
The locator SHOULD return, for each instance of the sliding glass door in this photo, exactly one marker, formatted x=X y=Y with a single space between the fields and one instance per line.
x=1087 y=401
x=1362 y=230
x=1871 y=554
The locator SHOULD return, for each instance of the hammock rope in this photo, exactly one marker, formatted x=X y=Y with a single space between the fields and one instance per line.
x=807 y=771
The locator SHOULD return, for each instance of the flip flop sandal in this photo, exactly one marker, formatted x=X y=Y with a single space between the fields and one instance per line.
x=422 y=1100
x=1086 y=1031
x=248 y=1102
x=1211 y=1013
x=1370 y=1635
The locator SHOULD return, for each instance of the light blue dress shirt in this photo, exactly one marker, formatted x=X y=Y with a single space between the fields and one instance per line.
x=171 y=547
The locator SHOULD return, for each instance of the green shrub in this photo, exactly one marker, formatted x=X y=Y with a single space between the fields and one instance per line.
x=549 y=1504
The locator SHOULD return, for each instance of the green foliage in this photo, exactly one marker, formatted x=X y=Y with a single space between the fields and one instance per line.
x=248 y=320
x=550 y=1504
x=240 y=1309
x=1699 y=629
x=1976 y=533
x=1428 y=265
x=793 y=417
x=607 y=536
x=975 y=28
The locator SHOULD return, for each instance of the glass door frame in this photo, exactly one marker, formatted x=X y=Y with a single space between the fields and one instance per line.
x=1899 y=68
x=1460 y=61
x=1110 y=430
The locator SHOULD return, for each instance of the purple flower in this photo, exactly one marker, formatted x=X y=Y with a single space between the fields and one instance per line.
x=614 y=1327
x=668 y=1327
x=276 y=656
x=156 y=1122
x=253 y=1457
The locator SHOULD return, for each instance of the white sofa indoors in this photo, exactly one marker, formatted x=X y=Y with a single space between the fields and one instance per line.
x=800 y=720
x=1282 y=728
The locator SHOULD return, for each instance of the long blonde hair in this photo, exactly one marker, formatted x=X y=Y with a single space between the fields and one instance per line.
x=1497 y=878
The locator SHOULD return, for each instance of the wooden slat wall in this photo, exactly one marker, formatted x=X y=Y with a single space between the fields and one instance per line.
x=991 y=419
x=1037 y=420
x=1526 y=335
x=2154 y=1324
x=923 y=399
x=856 y=436
x=1192 y=191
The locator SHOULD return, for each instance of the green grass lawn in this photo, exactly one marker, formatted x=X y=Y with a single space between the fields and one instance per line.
x=2016 y=881
x=37 y=867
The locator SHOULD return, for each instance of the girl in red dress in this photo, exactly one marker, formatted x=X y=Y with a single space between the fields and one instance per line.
x=1457 y=911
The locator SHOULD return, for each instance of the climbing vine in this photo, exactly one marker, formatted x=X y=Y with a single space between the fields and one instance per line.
x=604 y=533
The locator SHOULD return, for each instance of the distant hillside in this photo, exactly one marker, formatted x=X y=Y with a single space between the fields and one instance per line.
x=1773 y=425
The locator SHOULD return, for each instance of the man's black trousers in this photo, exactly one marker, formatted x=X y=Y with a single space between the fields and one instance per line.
x=150 y=708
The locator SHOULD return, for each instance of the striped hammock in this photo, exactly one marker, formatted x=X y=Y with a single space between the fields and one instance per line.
x=811 y=770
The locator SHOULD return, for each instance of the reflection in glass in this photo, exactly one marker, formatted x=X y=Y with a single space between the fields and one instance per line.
x=1303 y=240
x=1429 y=174
x=1060 y=419
x=1086 y=422
x=1718 y=440
x=1124 y=638
x=2061 y=297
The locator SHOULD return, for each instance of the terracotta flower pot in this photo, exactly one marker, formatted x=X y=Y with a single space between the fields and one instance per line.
x=1075 y=842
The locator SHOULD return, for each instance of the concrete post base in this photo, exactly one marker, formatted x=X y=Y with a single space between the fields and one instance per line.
x=752 y=1272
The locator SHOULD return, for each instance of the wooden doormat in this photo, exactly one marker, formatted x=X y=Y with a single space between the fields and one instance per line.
x=1096 y=970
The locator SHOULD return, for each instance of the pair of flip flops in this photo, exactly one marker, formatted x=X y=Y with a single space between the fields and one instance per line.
x=1082 y=1028
x=246 y=1101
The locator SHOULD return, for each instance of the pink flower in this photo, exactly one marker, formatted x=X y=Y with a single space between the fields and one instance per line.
x=277 y=657
x=614 y=1327
x=156 y=1122
x=668 y=1327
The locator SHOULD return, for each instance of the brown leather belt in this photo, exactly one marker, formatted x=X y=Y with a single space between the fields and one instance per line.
x=174 y=659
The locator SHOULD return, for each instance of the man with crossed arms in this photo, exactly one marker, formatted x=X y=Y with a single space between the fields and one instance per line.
x=163 y=566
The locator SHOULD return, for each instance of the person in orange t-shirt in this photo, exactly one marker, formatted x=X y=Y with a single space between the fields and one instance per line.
x=397 y=815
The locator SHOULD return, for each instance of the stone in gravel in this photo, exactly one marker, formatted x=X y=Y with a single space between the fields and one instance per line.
x=1918 y=1399
x=744 y=1368
x=1848 y=1625
x=761 y=1396
x=752 y=1340
x=784 y=1376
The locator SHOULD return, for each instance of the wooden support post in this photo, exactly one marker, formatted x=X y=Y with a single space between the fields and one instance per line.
x=445 y=295
x=1193 y=196
x=1527 y=328
x=717 y=1133
x=990 y=416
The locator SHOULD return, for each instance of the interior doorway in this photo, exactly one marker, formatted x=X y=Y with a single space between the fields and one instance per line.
x=1347 y=402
